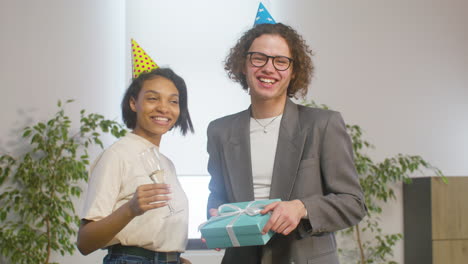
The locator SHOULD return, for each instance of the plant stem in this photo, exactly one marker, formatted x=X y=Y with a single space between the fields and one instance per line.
x=48 y=239
x=25 y=252
x=361 y=250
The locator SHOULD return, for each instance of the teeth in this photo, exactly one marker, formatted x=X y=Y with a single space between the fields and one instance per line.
x=267 y=80
x=161 y=118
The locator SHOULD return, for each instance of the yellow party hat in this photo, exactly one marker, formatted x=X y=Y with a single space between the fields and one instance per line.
x=142 y=62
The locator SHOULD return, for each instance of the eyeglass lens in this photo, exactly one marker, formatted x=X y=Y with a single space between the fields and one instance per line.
x=281 y=63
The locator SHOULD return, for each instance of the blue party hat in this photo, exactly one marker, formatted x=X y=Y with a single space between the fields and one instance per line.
x=263 y=16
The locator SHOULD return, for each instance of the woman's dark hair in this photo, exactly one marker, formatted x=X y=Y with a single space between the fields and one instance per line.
x=301 y=54
x=129 y=116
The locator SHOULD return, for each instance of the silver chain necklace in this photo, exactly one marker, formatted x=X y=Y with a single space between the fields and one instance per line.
x=265 y=130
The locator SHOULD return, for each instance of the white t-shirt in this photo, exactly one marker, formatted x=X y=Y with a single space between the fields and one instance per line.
x=113 y=180
x=263 y=151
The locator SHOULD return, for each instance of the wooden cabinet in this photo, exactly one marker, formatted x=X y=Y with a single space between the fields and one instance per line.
x=436 y=221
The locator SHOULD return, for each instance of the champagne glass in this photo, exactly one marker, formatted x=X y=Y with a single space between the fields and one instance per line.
x=152 y=164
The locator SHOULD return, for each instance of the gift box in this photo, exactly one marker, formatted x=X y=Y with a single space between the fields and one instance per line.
x=238 y=224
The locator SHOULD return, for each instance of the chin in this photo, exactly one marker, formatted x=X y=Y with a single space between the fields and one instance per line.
x=266 y=94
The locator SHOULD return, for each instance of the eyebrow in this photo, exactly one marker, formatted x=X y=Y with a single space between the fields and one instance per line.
x=269 y=55
x=156 y=92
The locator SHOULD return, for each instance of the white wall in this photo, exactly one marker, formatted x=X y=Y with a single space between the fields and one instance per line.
x=396 y=68
x=53 y=50
x=399 y=69
x=193 y=37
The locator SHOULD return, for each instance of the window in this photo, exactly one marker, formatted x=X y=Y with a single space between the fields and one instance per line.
x=196 y=189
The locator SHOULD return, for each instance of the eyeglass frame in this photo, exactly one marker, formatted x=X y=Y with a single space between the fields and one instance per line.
x=273 y=58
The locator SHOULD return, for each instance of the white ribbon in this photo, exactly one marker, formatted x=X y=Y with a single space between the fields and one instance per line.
x=251 y=209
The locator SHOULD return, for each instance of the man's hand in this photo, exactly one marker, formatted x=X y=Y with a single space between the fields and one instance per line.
x=285 y=216
x=149 y=196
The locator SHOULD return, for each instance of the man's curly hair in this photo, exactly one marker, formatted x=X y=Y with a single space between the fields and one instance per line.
x=303 y=67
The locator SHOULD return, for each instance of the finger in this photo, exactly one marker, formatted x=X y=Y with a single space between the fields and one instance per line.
x=161 y=185
x=142 y=208
x=286 y=231
x=146 y=187
x=280 y=226
x=269 y=207
x=287 y=227
x=153 y=202
x=161 y=191
x=266 y=228
x=148 y=206
x=271 y=222
x=154 y=206
x=213 y=212
x=157 y=198
x=154 y=192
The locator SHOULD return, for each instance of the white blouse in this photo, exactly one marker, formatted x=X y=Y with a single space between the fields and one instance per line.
x=113 y=180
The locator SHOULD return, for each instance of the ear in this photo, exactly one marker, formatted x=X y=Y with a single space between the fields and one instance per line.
x=132 y=104
x=244 y=67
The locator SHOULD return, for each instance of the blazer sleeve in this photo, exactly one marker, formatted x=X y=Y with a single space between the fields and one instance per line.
x=216 y=187
x=342 y=203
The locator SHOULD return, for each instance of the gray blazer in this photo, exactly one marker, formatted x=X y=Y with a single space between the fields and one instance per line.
x=313 y=163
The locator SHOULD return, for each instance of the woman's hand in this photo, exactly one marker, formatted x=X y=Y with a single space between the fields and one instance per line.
x=213 y=212
x=149 y=196
x=93 y=235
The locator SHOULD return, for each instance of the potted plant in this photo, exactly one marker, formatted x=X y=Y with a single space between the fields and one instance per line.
x=37 y=215
x=367 y=243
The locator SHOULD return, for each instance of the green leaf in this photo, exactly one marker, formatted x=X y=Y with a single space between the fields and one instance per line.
x=376 y=180
x=42 y=182
x=26 y=133
x=3 y=215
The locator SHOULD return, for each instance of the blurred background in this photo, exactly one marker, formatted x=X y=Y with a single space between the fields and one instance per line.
x=398 y=69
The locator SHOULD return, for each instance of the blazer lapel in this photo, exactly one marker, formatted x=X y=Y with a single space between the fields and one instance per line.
x=288 y=153
x=238 y=161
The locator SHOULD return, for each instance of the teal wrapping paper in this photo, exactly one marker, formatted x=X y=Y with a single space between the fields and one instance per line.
x=238 y=224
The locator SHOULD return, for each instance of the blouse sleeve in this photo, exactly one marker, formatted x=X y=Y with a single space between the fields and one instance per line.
x=103 y=187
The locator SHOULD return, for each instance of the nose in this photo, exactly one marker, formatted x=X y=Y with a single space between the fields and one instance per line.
x=269 y=67
x=162 y=106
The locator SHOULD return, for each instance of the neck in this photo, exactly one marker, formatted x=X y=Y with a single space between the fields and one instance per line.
x=267 y=108
x=151 y=138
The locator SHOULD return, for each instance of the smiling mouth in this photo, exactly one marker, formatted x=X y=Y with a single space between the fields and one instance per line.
x=159 y=119
x=266 y=80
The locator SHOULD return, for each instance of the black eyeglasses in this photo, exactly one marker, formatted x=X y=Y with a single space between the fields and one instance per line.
x=281 y=63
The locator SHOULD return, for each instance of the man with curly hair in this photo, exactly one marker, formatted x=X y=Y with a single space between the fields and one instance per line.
x=279 y=149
